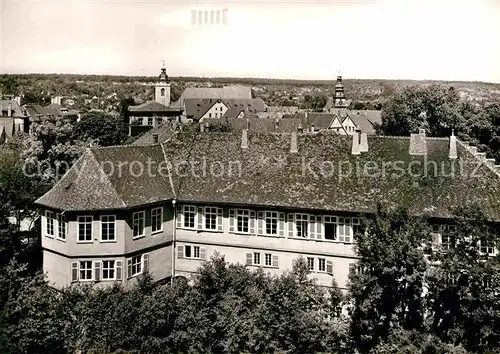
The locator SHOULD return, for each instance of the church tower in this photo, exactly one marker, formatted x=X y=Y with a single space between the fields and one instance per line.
x=162 y=88
x=340 y=100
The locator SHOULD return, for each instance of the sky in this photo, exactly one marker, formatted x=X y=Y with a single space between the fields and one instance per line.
x=372 y=39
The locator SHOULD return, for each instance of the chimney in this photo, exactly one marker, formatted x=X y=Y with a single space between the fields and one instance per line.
x=299 y=128
x=312 y=128
x=276 y=124
x=418 y=144
x=363 y=145
x=355 y=144
x=155 y=138
x=244 y=139
x=18 y=100
x=293 y=145
x=248 y=122
x=202 y=127
x=9 y=110
x=453 y=146
x=207 y=126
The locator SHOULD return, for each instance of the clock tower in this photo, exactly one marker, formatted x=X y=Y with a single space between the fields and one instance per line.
x=340 y=100
x=162 y=88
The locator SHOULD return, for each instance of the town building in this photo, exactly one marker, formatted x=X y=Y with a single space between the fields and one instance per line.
x=259 y=199
x=155 y=112
x=13 y=119
x=196 y=110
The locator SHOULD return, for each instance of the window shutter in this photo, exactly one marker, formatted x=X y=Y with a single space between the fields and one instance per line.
x=281 y=225
x=275 y=261
x=145 y=262
x=179 y=216
x=203 y=252
x=97 y=271
x=200 y=218
x=231 y=220
x=249 y=259
x=329 y=267
x=118 y=270
x=290 y=225
x=129 y=268
x=260 y=223
x=251 y=222
x=319 y=227
x=180 y=251
x=312 y=226
x=74 y=271
x=220 y=218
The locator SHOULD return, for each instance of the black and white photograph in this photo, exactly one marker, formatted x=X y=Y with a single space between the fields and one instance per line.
x=249 y=177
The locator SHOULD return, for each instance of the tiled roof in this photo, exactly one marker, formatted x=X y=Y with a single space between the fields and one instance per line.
x=164 y=132
x=196 y=108
x=320 y=120
x=365 y=119
x=268 y=174
x=227 y=92
x=153 y=106
x=256 y=125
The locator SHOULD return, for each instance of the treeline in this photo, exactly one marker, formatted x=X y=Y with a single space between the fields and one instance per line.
x=403 y=298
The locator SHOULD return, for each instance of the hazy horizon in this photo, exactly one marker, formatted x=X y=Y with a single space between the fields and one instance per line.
x=441 y=40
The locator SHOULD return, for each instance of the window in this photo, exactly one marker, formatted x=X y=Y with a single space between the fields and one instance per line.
x=189 y=216
x=242 y=220
x=310 y=263
x=138 y=223
x=162 y=92
x=321 y=264
x=85 y=228
x=486 y=247
x=356 y=226
x=61 y=227
x=108 y=228
x=141 y=121
x=209 y=115
x=50 y=223
x=150 y=121
x=136 y=266
x=301 y=224
x=256 y=258
x=345 y=230
x=271 y=220
x=86 y=270
x=331 y=228
x=192 y=252
x=157 y=219
x=108 y=270
x=268 y=260
x=210 y=218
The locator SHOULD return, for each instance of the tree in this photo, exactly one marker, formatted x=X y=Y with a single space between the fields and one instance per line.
x=386 y=291
x=101 y=127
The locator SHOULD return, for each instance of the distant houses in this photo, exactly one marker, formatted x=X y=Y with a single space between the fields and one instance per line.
x=13 y=118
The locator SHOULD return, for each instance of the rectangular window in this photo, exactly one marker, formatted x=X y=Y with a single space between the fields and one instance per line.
x=50 y=223
x=356 y=226
x=192 y=252
x=210 y=218
x=157 y=219
x=138 y=223
x=61 y=227
x=108 y=228
x=85 y=228
x=345 y=230
x=310 y=263
x=189 y=216
x=301 y=224
x=331 y=228
x=321 y=264
x=108 y=270
x=256 y=258
x=271 y=219
x=150 y=121
x=136 y=265
x=86 y=270
x=242 y=220
x=486 y=247
x=209 y=115
x=268 y=260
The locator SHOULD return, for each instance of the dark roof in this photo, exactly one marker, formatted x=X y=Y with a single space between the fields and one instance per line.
x=95 y=181
x=196 y=108
x=17 y=111
x=366 y=119
x=320 y=120
x=268 y=174
x=153 y=106
x=256 y=125
x=164 y=132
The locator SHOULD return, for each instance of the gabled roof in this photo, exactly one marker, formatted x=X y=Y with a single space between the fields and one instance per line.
x=366 y=119
x=227 y=92
x=196 y=108
x=17 y=111
x=164 y=132
x=267 y=174
x=319 y=120
x=96 y=181
x=153 y=106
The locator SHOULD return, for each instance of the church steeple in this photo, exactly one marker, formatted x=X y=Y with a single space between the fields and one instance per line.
x=340 y=100
x=162 y=88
